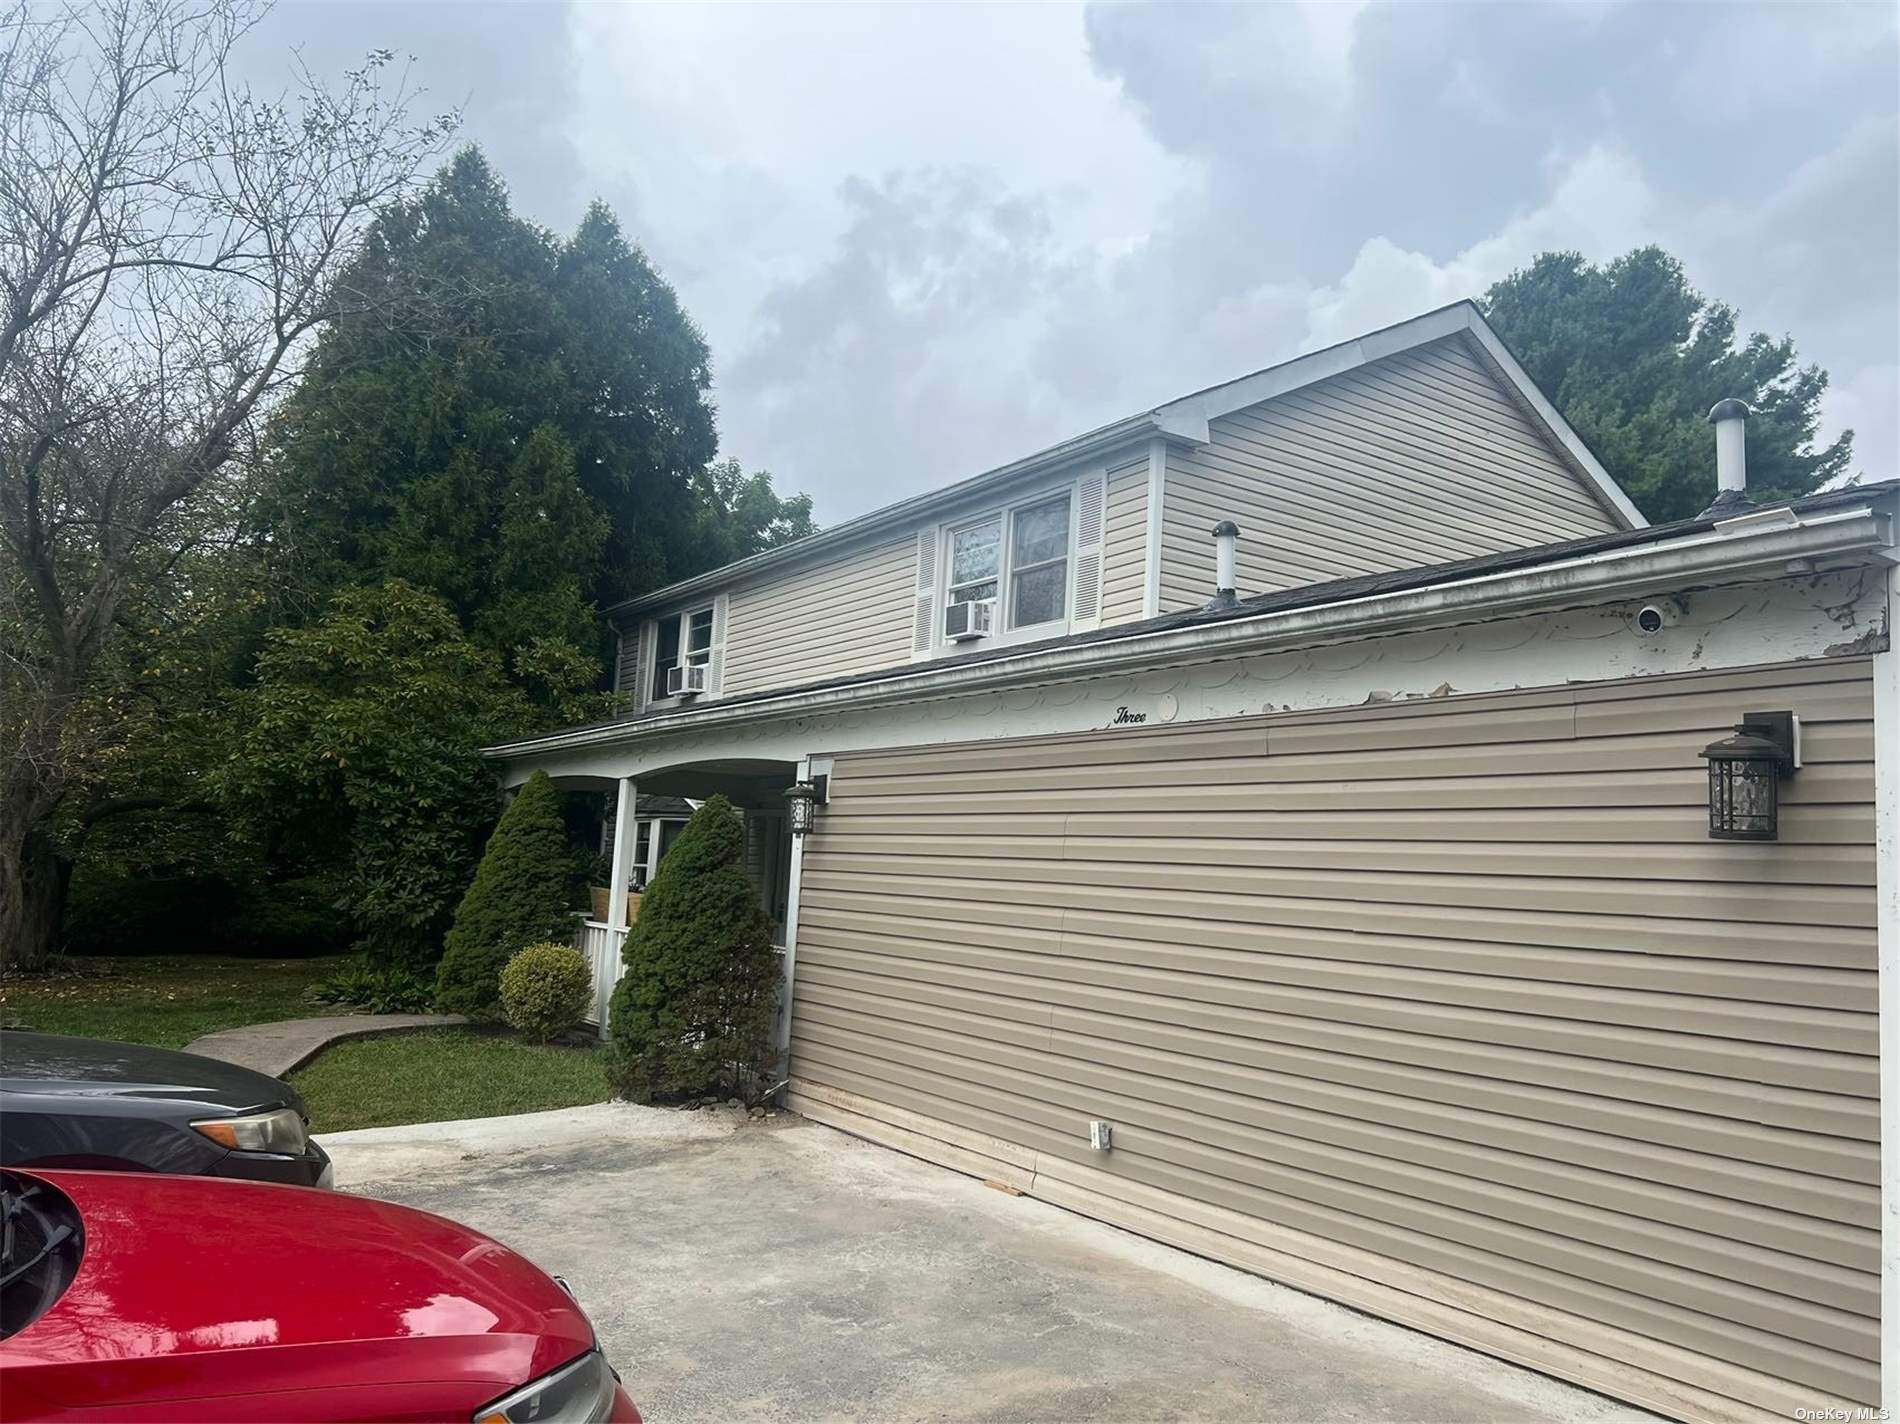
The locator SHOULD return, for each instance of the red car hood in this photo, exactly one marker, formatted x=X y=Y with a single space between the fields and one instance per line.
x=192 y=1287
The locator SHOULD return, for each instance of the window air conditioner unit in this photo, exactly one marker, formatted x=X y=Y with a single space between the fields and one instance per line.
x=687 y=680
x=964 y=621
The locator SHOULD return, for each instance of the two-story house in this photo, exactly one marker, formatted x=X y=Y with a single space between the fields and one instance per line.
x=1374 y=893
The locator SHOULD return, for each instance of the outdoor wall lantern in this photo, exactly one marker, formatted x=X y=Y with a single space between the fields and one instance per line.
x=804 y=798
x=1745 y=772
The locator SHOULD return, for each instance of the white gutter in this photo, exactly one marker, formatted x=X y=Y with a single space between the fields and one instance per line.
x=1644 y=568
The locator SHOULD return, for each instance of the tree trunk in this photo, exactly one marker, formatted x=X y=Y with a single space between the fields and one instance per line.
x=48 y=874
x=33 y=883
x=12 y=897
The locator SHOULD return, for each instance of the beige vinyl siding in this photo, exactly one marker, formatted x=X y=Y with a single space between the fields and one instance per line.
x=1449 y=1009
x=849 y=615
x=1125 y=542
x=1418 y=459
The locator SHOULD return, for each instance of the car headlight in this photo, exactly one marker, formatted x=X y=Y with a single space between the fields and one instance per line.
x=581 y=1392
x=279 y=1131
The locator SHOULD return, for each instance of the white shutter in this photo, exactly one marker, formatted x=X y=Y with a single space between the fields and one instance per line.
x=716 y=660
x=923 y=628
x=1091 y=512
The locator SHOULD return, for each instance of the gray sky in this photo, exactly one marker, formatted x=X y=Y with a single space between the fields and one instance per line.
x=922 y=241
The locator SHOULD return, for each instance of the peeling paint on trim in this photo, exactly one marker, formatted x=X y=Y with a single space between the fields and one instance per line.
x=1740 y=625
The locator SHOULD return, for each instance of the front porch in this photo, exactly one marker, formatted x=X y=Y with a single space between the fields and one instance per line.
x=644 y=817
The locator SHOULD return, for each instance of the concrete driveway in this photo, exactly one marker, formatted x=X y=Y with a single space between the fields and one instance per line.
x=778 y=1269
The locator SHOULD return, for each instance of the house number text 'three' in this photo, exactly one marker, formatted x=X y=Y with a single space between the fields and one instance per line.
x=1125 y=718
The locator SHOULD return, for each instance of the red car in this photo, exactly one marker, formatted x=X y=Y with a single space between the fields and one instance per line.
x=137 y=1297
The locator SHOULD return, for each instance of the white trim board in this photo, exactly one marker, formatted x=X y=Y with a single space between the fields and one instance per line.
x=1737 y=626
x=1702 y=557
x=1157 y=494
x=1887 y=919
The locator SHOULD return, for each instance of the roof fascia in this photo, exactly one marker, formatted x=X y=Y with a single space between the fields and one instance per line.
x=1316 y=366
x=1460 y=317
x=1555 y=426
x=1719 y=552
x=1186 y=420
x=907 y=511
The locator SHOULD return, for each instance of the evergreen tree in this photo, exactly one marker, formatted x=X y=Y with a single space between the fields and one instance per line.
x=362 y=740
x=695 y=1007
x=1634 y=357
x=518 y=898
x=438 y=447
x=529 y=437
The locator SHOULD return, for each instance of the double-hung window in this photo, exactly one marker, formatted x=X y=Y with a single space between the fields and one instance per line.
x=976 y=560
x=1018 y=558
x=1039 y=563
x=680 y=640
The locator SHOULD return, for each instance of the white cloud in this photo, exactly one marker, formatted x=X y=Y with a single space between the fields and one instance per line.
x=1601 y=205
x=1807 y=259
x=1867 y=403
x=747 y=145
x=921 y=239
x=1758 y=58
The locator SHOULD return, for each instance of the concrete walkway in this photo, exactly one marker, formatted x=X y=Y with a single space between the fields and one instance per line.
x=279 y=1048
x=777 y=1269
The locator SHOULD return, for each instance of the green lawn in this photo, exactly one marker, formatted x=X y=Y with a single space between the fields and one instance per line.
x=166 y=1000
x=439 y=1075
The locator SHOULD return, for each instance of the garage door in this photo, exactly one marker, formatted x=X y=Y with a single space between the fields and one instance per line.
x=1447 y=1009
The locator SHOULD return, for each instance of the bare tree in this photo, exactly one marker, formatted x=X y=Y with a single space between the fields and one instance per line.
x=169 y=241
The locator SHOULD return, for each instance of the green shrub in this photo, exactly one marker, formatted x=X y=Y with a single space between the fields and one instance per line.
x=108 y=913
x=545 y=989
x=290 y=917
x=695 y=1008
x=519 y=898
x=380 y=988
x=112 y=913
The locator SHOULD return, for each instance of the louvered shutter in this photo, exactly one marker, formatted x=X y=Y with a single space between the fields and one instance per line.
x=923 y=628
x=627 y=669
x=1091 y=500
x=716 y=660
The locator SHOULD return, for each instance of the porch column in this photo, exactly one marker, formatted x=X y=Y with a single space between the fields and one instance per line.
x=626 y=832
x=794 y=874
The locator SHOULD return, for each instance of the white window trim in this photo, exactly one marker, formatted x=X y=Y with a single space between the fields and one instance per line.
x=1004 y=635
x=650 y=640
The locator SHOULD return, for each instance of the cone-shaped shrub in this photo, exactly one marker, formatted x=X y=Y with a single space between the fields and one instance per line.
x=519 y=898
x=695 y=1008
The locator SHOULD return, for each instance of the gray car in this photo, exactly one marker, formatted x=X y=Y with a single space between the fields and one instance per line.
x=86 y=1102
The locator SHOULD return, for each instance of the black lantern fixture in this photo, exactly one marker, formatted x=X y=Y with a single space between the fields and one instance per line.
x=1745 y=772
x=804 y=798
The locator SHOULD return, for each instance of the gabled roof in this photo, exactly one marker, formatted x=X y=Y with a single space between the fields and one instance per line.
x=1186 y=419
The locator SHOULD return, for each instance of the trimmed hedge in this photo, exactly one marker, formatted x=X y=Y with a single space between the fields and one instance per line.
x=696 y=1006
x=518 y=898
x=545 y=990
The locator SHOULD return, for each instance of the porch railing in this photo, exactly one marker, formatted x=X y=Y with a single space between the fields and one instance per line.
x=601 y=944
